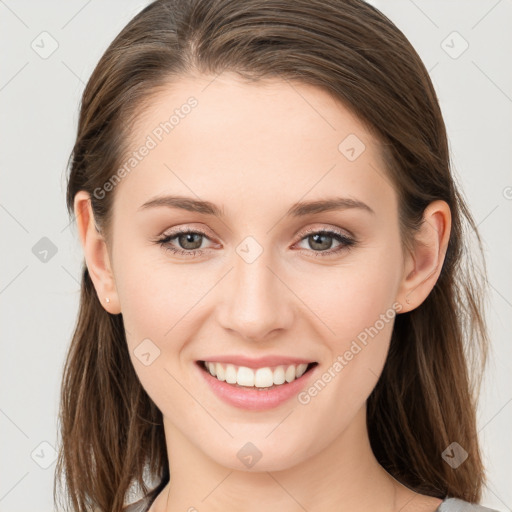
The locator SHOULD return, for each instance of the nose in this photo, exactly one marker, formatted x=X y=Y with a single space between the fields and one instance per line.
x=256 y=304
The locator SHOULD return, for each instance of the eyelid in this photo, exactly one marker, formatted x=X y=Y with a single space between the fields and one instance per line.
x=184 y=228
x=187 y=228
x=322 y=228
x=346 y=241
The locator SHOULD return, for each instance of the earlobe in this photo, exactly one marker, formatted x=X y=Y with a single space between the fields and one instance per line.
x=425 y=262
x=96 y=254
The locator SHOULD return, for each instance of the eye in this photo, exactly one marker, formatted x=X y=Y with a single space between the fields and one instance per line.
x=190 y=242
x=319 y=240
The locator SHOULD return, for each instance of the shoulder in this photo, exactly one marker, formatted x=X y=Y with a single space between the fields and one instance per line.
x=139 y=506
x=456 y=505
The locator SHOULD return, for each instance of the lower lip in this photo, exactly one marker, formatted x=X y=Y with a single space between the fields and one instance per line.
x=255 y=399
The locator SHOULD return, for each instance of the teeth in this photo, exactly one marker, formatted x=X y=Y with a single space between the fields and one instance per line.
x=290 y=373
x=221 y=373
x=301 y=368
x=263 y=378
x=230 y=373
x=260 y=378
x=211 y=367
x=244 y=376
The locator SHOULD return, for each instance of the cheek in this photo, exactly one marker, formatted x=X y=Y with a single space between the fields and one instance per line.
x=348 y=299
x=156 y=301
x=361 y=319
x=154 y=294
x=356 y=308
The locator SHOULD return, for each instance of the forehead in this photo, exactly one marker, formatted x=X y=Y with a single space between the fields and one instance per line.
x=272 y=140
x=256 y=110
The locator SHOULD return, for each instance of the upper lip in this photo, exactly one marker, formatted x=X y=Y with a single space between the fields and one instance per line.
x=257 y=362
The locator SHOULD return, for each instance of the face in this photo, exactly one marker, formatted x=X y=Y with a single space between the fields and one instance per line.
x=251 y=274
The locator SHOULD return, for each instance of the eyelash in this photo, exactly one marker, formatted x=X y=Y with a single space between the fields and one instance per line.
x=346 y=242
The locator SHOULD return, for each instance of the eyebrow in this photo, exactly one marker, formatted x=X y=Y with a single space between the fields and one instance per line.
x=296 y=210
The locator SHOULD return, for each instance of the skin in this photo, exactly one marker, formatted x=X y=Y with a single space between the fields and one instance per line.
x=254 y=150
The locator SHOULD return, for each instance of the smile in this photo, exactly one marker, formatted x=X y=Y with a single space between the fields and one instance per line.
x=255 y=389
x=265 y=378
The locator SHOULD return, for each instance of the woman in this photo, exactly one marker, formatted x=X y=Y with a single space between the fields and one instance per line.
x=275 y=302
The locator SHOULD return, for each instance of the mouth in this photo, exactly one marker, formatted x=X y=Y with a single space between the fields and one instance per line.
x=262 y=379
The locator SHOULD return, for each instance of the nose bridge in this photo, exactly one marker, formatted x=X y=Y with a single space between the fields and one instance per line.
x=255 y=301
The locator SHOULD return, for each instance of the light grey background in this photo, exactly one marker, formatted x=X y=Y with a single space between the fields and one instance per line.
x=39 y=100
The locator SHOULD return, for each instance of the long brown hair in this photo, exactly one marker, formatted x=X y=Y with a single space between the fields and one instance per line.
x=112 y=432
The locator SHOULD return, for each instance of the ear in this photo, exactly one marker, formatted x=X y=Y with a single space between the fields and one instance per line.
x=96 y=254
x=423 y=265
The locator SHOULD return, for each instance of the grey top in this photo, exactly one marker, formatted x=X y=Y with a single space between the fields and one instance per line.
x=456 y=505
x=448 y=505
